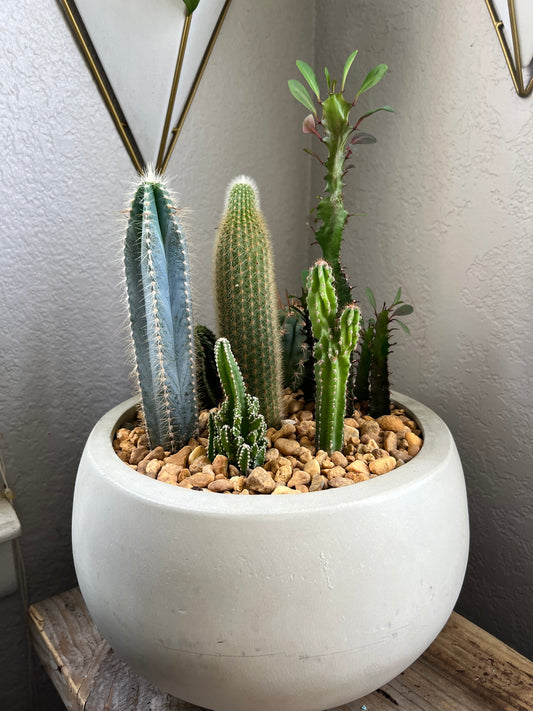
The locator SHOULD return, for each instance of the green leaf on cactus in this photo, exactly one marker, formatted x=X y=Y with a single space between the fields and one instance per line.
x=372 y=78
x=371 y=298
x=347 y=66
x=397 y=297
x=301 y=94
x=191 y=5
x=402 y=325
x=327 y=78
x=360 y=138
x=309 y=76
x=403 y=310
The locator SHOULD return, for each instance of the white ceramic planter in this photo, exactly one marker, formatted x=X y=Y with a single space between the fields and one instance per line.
x=286 y=603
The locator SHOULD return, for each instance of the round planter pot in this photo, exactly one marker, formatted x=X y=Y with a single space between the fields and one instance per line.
x=262 y=603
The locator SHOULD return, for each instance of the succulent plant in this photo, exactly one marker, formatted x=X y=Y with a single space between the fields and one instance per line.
x=160 y=315
x=362 y=376
x=380 y=346
x=237 y=430
x=336 y=338
x=209 y=391
x=246 y=295
x=339 y=136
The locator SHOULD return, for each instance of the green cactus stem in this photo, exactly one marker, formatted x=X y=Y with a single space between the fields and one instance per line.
x=380 y=348
x=237 y=430
x=362 y=383
x=336 y=338
x=335 y=131
x=294 y=347
x=160 y=315
x=246 y=295
x=209 y=391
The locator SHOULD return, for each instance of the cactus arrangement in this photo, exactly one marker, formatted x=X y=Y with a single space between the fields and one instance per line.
x=336 y=338
x=160 y=315
x=246 y=295
x=238 y=429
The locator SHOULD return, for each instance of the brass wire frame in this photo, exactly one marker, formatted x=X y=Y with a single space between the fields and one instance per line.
x=514 y=63
x=91 y=56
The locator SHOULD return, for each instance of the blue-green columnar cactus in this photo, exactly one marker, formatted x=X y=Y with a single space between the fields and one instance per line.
x=237 y=430
x=160 y=315
x=246 y=295
x=336 y=338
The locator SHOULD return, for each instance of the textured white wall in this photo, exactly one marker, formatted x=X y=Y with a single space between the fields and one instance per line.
x=65 y=176
x=447 y=193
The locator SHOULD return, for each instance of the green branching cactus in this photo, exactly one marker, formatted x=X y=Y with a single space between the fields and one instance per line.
x=362 y=376
x=209 y=391
x=339 y=136
x=295 y=351
x=380 y=348
x=246 y=295
x=237 y=430
x=160 y=314
x=336 y=338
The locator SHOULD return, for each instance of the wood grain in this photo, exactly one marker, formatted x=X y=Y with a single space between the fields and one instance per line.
x=465 y=669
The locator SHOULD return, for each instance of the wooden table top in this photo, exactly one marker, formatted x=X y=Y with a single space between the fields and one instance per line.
x=465 y=669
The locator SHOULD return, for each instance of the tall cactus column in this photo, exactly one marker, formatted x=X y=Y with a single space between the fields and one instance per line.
x=336 y=339
x=160 y=313
x=246 y=295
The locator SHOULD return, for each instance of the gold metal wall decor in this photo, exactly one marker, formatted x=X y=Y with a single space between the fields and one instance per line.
x=514 y=57
x=90 y=54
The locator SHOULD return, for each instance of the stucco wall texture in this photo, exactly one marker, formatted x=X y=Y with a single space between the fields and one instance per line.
x=446 y=192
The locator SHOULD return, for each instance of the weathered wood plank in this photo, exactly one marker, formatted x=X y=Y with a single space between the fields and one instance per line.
x=465 y=669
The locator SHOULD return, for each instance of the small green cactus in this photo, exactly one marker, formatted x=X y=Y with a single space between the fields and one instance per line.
x=294 y=346
x=209 y=391
x=160 y=314
x=237 y=430
x=246 y=295
x=335 y=131
x=336 y=338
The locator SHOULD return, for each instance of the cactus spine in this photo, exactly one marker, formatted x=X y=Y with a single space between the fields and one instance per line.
x=237 y=430
x=160 y=315
x=336 y=339
x=246 y=295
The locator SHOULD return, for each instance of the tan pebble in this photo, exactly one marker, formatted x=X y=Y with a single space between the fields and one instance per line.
x=220 y=464
x=287 y=446
x=197 y=452
x=348 y=450
x=298 y=478
x=305 y=456
x=180 y=458
x=305 y=415
x=199 y=463
x=271 y=431
x=378 y=453
x=390 y=441
x=358 y=467
x=382 y=466
x=335 y=473
x=143 y=441
x=169 y=469
x=294 y=406
x=261 y=481
x=153 y=467
x=202 y=479
x=321 y=456
x=283 y=474
x=306 y=443
x=133 y=466
x=357 y=476
x=284 y=490
x=138 y=454
x=127 y=446
x=272 y=454
x=370 y=428
x=193 y=443
x=318 y=482
x=122 y=434
x=339 y=481
x=238 y=482
x=411 y=424
x=350 y=422
x=391 y=422
x=125 y=456
x=184 y=474
x=413 y=440
x=326 y=463
x=351 y=434
x=244 y=492
x=284 y=431
x=220 y=485
x=203 y=442
x=203 y=420
x=413 y=450
x=312 y=467
x=339 y=460
x=301 y=488
x=168 y=477
x=186 y=484
x=157 y=453
x=233 y=471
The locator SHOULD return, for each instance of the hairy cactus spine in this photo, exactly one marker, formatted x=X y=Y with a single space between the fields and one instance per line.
x=246 y=295
x=336 y=339
x=160 y=314
x=237 y=430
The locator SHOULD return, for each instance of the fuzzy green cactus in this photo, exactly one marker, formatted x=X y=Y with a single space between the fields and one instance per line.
x=237 y=430
x=160 y=315
x=362 y=376
x=339 y=136
x=209 y=391
x=246 y=295
x=379 y=347
x=336 y=338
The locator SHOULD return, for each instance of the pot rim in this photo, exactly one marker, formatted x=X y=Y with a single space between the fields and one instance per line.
x=438 y=447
